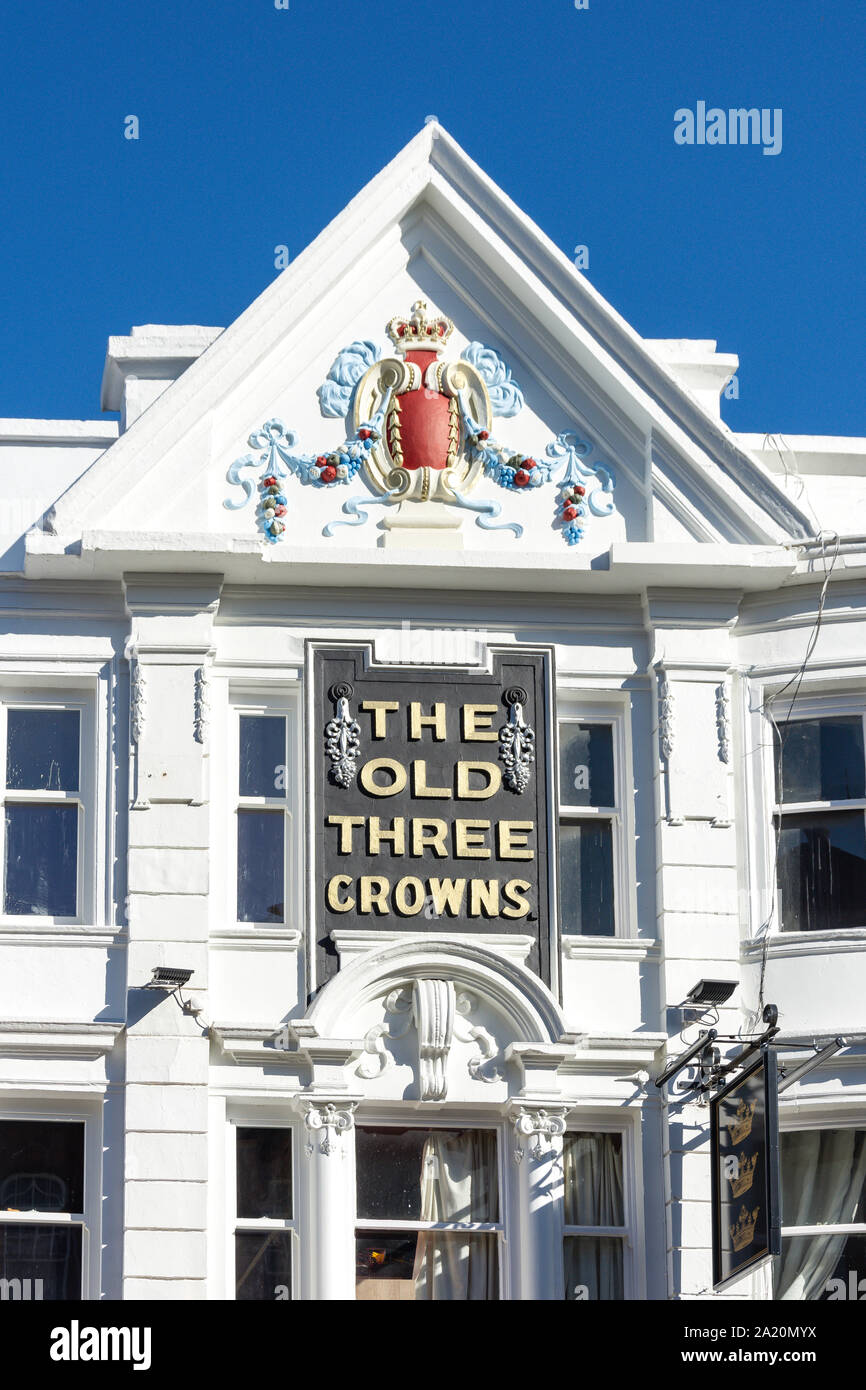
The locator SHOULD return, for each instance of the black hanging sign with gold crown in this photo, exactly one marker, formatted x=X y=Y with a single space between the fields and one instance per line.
x=744 y=1127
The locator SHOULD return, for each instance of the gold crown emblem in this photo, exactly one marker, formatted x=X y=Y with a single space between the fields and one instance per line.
x=745 y=1175
x=742 y=1127
x=743 y=1232
x=417 y=331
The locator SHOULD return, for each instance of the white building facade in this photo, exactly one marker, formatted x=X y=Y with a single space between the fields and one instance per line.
x=425 y=671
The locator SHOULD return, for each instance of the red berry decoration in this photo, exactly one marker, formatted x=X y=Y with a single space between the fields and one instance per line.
x=483 y=434
x=279 y=511
x=322 y=460
x=364 y=434
x=329 y=473
x=529 y=463
x=581 y=491
x=521 y=478
x=270 y=481
x=569 y=512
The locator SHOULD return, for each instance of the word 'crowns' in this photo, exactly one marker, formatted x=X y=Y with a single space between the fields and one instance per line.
x=743 y=1233
x=417 y=331
x=745 y=1175
x=742 y=1127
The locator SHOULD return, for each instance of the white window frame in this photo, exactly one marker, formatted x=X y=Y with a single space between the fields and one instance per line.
x=630 y=1232
x=263 y=704
x=507 y=1216
x=239 y=1225
x=572 y=708
x=823 y=705
x=54 y=698
x=67 y=1112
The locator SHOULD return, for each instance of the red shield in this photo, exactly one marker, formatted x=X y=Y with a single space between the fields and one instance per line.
x=422 y=425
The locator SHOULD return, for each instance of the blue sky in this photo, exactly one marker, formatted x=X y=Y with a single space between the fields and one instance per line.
x=257 y=125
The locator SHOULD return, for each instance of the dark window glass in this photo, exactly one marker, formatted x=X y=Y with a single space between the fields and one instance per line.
x=822 y=871
x=42 y=750
x=393 y=1163
x=48 y=1256
x=586 y=765
x=821 y=1268
x=821 y=759
x=426 y=1265
x=261 y=866
x=823 y=1176
x=593 y=1268
x=263 y=1265
x=264 y=1173
x=41 y=1166
x=262 y=755
x=586 y=877
x=41 y=860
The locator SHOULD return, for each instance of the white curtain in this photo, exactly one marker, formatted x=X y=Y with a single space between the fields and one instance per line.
x=823 y=1174
x=458 y=1183
x=593 y=1197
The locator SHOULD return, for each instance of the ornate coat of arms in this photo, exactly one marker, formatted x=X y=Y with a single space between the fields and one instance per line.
x=421 y=431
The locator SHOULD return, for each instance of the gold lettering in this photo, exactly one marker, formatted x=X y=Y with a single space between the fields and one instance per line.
x=396 y=835
x=419 y=781
x=436 y=721
x=374 y=893
x=335 y=903
x=380 y=709
x=476 y=723
x=347 y=825
x=447 y=895
x=491 y=771
x=511 y=836
x=484 y=897
x=429 y=834
x=469 y=839
x=400 y=896
x=513 y=893
x=365 y=776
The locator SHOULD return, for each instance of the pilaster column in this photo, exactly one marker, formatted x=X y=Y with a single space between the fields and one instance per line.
x=538 y=1132
x=330 y=1155
x=166 y=1140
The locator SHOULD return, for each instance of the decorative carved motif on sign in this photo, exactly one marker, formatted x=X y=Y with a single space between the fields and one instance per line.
x=343 y=737
x=516 y=743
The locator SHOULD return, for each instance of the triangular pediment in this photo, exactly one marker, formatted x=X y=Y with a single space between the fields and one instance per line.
x=653 y=460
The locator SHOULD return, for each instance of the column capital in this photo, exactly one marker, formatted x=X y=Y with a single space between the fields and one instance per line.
x=330 y=1119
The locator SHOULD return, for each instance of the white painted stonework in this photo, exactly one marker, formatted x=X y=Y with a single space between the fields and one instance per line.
x=128 y=585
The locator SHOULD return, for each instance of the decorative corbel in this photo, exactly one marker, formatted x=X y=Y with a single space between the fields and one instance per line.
x=202 y=701
x=433 y=1008
x=516 y=743
x=342 y=736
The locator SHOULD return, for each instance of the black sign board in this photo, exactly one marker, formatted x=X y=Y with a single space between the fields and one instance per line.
x=431 y=805
x=744 y=1125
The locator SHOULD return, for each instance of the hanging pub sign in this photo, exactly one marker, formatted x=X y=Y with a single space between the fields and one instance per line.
x=744 y=1126
x=431 y=799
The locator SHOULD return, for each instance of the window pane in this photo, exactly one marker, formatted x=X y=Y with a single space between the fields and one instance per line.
x=51 y=1254
x=437 y=1266
x=821 y=1268
x=822 y=871
x=41 y=860
x=821 y=759
x=263 y=1265
x=417 y=1175
x=265 y=1172
x=42 y=749
x=593 y=1268
x=41 y=1166
x=586 y=765
x=261 y=866
x=262 y=755
x=586 y=877
x=823 y=1176
x=592 y=1165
